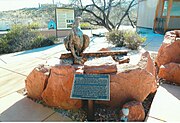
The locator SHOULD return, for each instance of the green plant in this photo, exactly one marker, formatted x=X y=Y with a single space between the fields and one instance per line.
x=85 y=26
x=20 y=38
x=127 y=38
x=133 y=40
x=34 y=25
x=3 y=45
x=41 y=41
x=116 y=38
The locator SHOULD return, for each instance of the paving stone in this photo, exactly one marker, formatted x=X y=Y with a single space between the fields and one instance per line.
x=153 y=120
x=16 y=108
x=166 y=103
x=10 y=83
x=57 y=117
x=8 y=101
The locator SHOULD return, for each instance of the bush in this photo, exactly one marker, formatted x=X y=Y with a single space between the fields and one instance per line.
x=40 y=41
x=127 y=38
x=85 y=26
x=34 y=25
x=21 y=38
x=116 y=38
x=133 y=40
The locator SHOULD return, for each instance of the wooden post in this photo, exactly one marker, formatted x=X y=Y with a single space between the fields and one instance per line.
x=168 y=14
x=157 y=13
x=90 y=110
x=56 y=22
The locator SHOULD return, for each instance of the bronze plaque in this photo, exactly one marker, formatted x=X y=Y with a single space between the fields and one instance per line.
x=91 y=87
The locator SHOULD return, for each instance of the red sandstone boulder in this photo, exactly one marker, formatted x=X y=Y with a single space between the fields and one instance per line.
x=58 y=90
x=104 y=49
x=102 y=69
x=170 y=49
x=104 y=65
x=79 y=69
x=170 y=72
x=132 y=82
x=136 y=111
x=36 y=82
x=148 y=64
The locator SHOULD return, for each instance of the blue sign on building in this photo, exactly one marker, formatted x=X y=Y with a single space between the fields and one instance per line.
x=51 y=24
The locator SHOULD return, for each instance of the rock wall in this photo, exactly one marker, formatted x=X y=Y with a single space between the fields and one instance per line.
x=127 y=82
x=36 y=82
x=58 y=90
x=132 y=82
x=168 y=58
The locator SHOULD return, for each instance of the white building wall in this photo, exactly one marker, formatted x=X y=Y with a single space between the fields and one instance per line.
x=146 y=13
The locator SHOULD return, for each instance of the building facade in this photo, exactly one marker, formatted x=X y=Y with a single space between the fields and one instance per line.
x=159 y=15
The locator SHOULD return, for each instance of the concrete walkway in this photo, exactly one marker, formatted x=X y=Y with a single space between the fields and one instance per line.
x=166 y=105
x=15 y=67
x=17 y=108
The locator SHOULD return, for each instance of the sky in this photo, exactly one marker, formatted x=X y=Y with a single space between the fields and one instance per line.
x=6 y=5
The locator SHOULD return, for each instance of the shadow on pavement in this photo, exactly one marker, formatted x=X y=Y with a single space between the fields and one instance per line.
x=36 y=50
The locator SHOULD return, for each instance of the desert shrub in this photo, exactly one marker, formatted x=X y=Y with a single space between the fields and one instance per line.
x=116 y=38
x=85 y=26
x=3 y=46
x=20 y=38
x=34 y=25
x=127 y=38
x=41 y=41
x=132 y=40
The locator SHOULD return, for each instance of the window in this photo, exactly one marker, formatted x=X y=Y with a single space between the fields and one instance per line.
x=175 y=11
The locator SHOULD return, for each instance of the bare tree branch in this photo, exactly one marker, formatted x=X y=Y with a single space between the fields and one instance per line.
x=107 y=13
x=125 y=14
x=130 y=21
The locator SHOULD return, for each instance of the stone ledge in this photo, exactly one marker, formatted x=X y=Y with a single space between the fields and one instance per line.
x=95 y=54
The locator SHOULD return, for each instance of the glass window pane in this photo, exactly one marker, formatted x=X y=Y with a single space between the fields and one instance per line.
x=165 y=8
x=175 y=11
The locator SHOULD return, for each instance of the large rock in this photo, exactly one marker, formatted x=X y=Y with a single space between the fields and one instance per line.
x=170 y=49
x=79 y=69
x=104 y=49
x=170 y=72
x=136 y=111
x=132 y=82
x=36 y=82
x=129 y=85
x=58 y=90
x=104 y=65
x=102 y=69
x=148 y=64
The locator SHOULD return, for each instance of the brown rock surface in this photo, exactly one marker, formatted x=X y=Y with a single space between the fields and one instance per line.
x=136 y=111
x=102 y=65
x=95 y=54
x=36 y=82
x=102 y=69
x=170 y=72
x=170 y=49
x=132 y=82
x=58 y=90
x=148 y=64
x=104 y=49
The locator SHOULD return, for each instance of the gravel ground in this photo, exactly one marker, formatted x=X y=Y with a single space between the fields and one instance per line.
x=101 y=113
